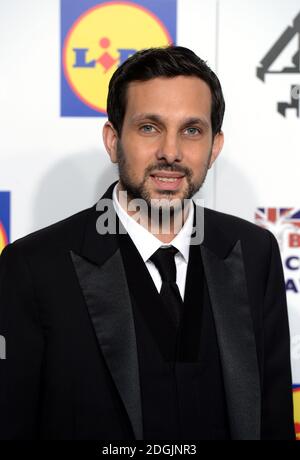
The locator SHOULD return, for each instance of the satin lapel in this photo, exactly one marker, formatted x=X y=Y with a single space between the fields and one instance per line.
x=229 y=299
x=108 y=300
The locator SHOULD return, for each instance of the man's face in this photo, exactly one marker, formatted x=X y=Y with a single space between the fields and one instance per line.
x=166 y=145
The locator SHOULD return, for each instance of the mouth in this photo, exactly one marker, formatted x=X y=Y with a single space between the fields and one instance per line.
x=167 y=181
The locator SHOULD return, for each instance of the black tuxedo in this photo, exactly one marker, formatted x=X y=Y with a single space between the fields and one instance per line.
x=182 y=388
x=72 y=368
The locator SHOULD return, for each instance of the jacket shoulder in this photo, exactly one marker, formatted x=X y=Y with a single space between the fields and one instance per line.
x=236 y=228
x=61 y=235
x=233 y=225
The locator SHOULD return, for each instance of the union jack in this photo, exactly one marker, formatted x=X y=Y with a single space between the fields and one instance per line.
x=279 y=221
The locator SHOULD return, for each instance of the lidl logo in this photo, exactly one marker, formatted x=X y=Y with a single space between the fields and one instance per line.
x=4 y=219
x=296 y=397
x=97 y=37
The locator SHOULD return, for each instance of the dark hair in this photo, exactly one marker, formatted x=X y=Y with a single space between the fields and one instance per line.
x=171 y=61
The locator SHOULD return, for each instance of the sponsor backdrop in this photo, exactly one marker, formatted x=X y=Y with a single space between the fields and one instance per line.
x=4 y=219
x=56 y=61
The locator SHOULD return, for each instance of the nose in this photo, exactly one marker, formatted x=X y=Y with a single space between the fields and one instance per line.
x=169 y=149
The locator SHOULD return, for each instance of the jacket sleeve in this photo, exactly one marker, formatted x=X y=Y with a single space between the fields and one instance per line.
x=20 y=327
x=277 y=401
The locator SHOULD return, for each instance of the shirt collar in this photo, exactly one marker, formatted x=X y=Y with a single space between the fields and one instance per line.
x=145 y=241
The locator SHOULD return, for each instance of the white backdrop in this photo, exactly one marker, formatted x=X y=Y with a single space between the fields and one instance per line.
x=55 y=166
x=259 y=166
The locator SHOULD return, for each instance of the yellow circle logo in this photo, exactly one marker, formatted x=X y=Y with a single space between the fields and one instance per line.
x=3 y=238
x=296 y=398
x=100 y=40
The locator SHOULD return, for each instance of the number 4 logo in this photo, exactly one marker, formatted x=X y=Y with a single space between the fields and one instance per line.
x=267 y=65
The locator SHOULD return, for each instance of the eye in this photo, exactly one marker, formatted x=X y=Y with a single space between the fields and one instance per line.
x=147 y=129
x=192 y=131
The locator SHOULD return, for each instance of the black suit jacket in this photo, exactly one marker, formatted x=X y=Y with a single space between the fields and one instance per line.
x=71 y=369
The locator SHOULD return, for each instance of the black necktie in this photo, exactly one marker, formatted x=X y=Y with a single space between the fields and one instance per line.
x=164 y=261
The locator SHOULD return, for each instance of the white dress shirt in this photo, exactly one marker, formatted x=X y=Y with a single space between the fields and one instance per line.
x=147 y=243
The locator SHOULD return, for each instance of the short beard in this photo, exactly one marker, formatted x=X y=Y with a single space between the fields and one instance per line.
x=139 y=190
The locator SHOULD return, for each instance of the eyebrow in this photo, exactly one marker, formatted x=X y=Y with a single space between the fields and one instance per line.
x=158 y=119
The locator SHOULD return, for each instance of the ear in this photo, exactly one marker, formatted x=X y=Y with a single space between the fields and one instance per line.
x=216 y=147
x=110 y=139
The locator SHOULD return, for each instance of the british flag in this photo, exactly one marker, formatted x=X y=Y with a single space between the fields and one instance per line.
x=280 y=221
x=268 y=217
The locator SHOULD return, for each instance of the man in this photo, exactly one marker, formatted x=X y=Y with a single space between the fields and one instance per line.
x=142 y=331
